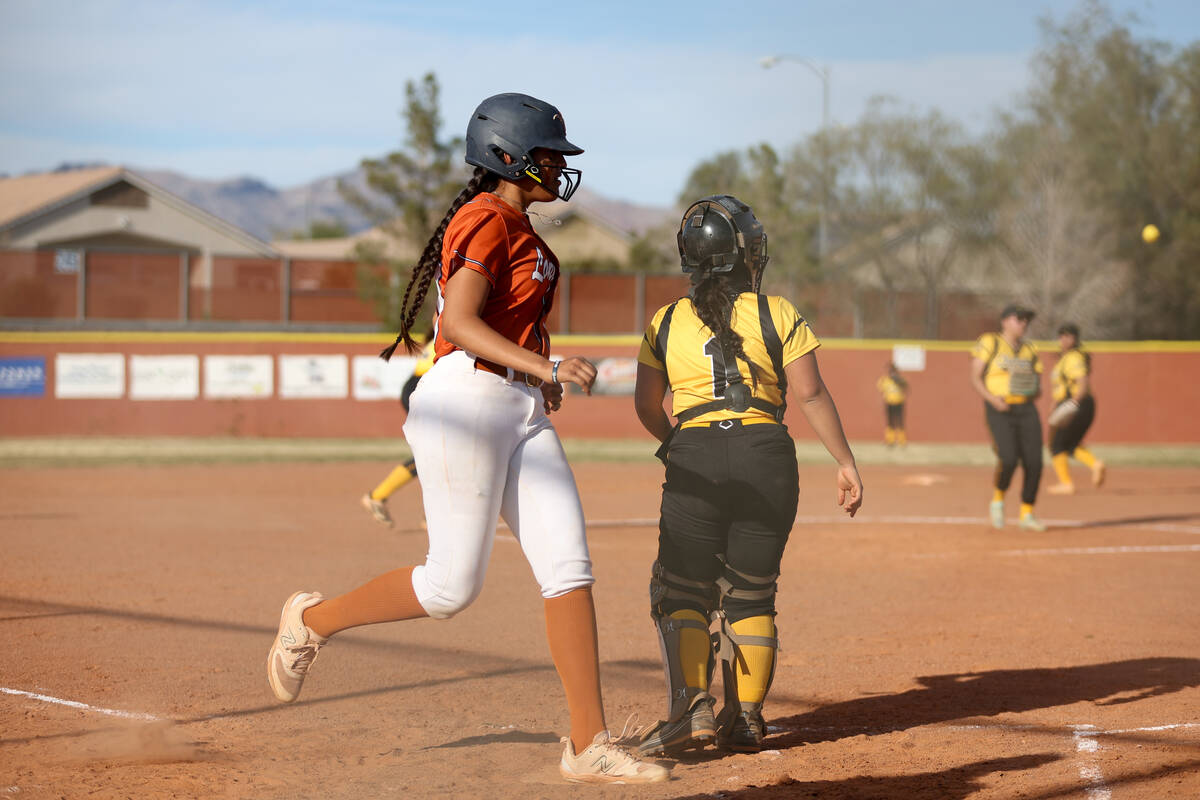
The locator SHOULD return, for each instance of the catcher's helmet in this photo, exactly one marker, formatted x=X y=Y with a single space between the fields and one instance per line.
x=517 y=124
x=720 y=234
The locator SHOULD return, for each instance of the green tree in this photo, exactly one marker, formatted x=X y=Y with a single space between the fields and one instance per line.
x=321 y=229
x=1129 y=110
x=408 y=192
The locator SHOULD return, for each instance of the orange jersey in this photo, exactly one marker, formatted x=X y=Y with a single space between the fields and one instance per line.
x=490 y=237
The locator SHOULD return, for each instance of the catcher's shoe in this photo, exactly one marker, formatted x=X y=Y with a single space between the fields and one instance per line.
x=742 y=732
x=1061 y=488
x=296 y=647
x=605 y=762
x=1031 y=523
x=996 y=514
x=695 y=728
x=1099 y=472
x=378 y=509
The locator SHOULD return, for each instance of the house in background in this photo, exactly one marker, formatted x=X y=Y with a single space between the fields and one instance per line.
x=126 y=248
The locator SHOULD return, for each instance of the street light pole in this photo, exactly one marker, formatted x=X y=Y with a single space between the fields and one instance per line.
x=821 y=72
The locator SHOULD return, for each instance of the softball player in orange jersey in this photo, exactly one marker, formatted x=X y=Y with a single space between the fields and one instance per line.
x=479 y=429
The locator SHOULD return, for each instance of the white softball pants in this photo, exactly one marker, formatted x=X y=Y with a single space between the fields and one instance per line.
x=485 y=448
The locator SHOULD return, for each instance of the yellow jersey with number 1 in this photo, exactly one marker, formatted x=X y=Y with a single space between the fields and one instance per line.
x=686 y=350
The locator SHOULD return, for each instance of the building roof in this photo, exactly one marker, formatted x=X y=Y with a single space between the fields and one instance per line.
x=28 y=197
x=22 y=196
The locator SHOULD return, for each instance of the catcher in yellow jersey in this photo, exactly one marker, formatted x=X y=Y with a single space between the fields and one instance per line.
x=375 y=500
x=1006 y=372
x=894 y=389
x=1074 y=411
x=729 y=502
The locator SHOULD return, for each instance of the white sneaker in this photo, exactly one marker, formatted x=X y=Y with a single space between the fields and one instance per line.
x=378 y=510
x=295 y=649
x=604 y=762
x=996 y=514
x=1031 y=523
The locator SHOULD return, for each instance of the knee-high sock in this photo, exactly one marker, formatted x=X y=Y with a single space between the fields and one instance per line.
x=388 y=598
x=695 y=649
x=901 y=436
x=395 y=479
x=889 y=435
x=1084 y=456
x=571 y=632
x=1062 y=467
x=757 y=662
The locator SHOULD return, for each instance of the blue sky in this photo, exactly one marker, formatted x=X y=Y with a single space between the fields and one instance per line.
x=292 y=91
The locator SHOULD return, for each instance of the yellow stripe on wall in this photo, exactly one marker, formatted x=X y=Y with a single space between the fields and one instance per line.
x=585 y=340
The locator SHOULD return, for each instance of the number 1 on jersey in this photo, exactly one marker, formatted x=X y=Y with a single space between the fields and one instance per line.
x=712 y=349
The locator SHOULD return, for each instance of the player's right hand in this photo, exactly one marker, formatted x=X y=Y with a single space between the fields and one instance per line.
x=998 y=403
x=578 y=371
x=850 y=489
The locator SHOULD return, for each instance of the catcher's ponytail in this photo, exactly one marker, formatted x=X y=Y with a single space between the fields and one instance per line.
x=430 y=263
x=713 y=298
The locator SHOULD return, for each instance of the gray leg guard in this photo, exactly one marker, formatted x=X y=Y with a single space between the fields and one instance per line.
x=663 y=586
x=740 y=725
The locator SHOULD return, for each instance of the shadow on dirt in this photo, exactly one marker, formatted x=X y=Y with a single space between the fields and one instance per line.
x=950 y=784
x=1147 y=520
x=945 y=698
x=507 y=737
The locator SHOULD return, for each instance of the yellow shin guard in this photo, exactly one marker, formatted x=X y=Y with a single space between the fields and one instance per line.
x=756 y=663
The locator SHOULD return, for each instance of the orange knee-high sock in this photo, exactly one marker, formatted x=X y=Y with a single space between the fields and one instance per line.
x=571 y=631
x=388 y=598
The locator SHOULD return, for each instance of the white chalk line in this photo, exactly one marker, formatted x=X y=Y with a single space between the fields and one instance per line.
x=111 y=712
x=1089 y=770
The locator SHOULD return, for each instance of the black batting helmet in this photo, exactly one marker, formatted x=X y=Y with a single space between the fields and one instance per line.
x=517 y=124
x=720 y=234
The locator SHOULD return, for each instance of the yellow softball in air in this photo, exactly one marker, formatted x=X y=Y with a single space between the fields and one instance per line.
x=1150 y=233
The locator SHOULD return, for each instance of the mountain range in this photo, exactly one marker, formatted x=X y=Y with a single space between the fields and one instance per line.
x=271 y=214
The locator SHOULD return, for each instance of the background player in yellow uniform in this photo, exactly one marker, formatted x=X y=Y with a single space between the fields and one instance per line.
x=894 y=389
x=729 y=502
x=1006 y=373
x=375 y=500
x=1074 y=411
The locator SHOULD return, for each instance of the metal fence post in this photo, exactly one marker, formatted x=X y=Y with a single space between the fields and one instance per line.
x=639 y=302
x=564 y=293
x=81 y=287
x=184 y=278
x=285 y=282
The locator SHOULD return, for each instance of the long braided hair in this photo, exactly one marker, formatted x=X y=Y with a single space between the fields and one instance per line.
x=713 y=297
x=430 y=262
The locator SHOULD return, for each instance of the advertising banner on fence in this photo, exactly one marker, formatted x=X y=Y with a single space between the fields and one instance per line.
x=164 y=377
x=615 y=376
x=89 y=375
x=239 y=376
x=313 y=376
x=376 y=379
x=23 y=377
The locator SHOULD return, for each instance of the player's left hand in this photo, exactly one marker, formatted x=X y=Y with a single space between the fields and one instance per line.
x=552 y=395
x=850 y=489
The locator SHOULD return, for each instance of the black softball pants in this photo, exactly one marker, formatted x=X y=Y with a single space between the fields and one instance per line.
x=895 y=415
x=1066 y=438
x=1017 y=434
x=729 y=501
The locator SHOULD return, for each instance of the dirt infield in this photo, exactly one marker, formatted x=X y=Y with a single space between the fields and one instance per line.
x=924 y=656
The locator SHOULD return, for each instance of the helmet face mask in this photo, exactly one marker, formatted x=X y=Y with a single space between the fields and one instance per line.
x=516 y=125
x=720 y=234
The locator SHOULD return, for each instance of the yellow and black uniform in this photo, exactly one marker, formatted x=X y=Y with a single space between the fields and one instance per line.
x=404 y=473
x=895 y=392
x=1013 y=374
x=731 y=490
x=679 y=344
x=1066 y=440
